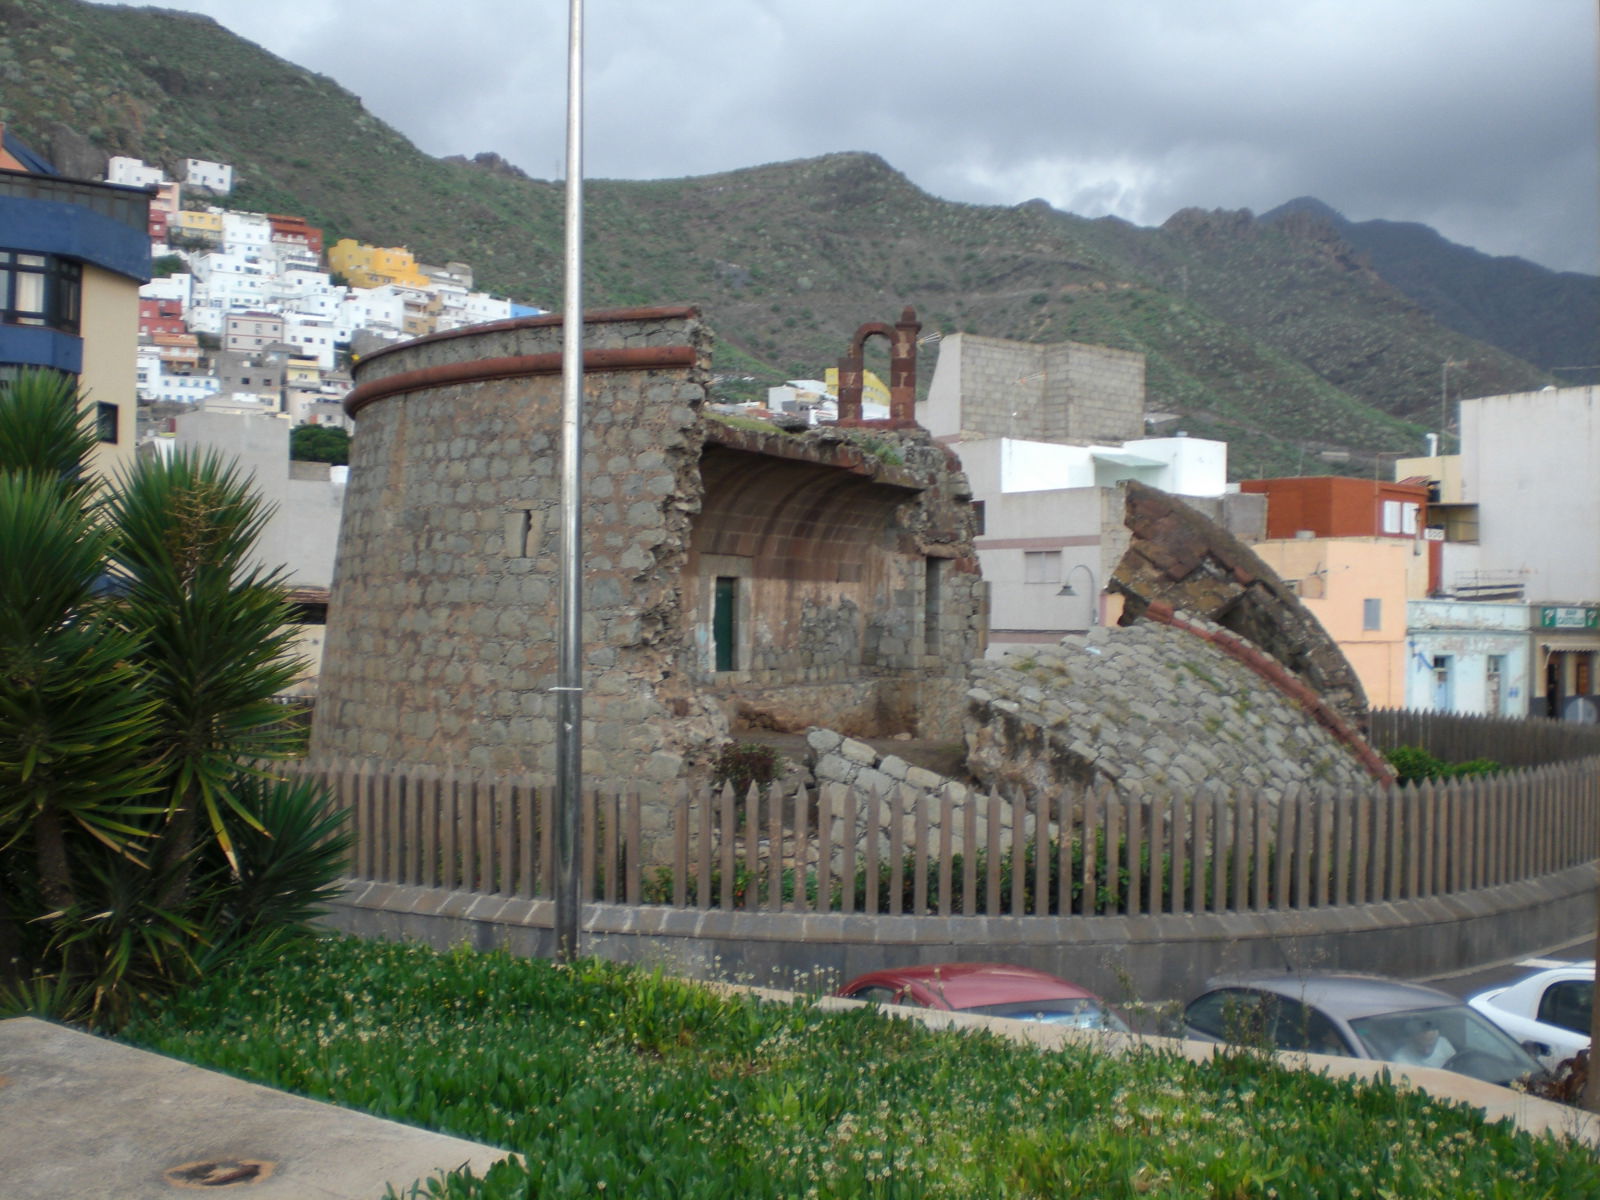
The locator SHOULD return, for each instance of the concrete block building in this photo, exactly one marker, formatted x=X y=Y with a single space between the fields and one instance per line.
x=1045 y=434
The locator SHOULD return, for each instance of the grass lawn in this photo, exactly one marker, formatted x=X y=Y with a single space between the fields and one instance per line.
x=611 y=1081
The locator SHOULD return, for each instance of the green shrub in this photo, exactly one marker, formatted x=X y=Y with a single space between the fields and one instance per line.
x=744 y=763
x=1412 y=764
x=140 y=648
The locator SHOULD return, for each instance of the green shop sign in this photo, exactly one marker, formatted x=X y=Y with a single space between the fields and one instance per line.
x=1553 y=617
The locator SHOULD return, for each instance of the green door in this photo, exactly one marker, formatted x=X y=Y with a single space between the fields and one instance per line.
x=724 y=628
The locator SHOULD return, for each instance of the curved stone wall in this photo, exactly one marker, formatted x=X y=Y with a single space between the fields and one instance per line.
x=1151 y=708
x=441 y=647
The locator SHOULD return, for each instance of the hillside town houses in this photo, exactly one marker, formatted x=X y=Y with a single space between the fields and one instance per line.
x=1466 y=582
x=250 y=312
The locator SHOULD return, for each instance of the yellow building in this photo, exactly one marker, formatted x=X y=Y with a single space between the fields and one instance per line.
x=366 y=266
x=201 y=226
x=1358 y=588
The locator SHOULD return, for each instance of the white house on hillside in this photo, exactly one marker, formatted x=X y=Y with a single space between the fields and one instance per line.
x=132 y=172
x=216 y=176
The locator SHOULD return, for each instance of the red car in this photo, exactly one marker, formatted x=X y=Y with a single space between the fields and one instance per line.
x=989 y=989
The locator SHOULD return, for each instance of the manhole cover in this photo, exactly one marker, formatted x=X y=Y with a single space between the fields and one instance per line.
x=218 y=1173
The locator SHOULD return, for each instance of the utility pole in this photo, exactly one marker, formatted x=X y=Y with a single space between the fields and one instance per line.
x=1444 y=400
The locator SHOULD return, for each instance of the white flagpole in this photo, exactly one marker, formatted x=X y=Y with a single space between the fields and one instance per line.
x=569 y=689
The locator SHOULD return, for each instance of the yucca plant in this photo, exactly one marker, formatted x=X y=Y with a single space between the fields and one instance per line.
x=214 y=637
x=140 y=645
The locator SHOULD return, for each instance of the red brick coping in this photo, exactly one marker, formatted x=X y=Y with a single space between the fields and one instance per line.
x=632 y=358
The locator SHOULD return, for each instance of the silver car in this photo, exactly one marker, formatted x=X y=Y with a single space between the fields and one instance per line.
x=1358 y=1016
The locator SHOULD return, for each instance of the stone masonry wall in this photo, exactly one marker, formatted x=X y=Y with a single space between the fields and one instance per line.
x=1179 y=559
x=855 y=580
x=1151 y=709
x=855 y=589
x=441 y=647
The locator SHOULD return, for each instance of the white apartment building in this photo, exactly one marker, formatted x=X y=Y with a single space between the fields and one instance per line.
x=1051 y=523
x=178 y=286
x=133 y=172
x=292 y=256
x=217 y=176
x=312 y=336
x=458 y=308
x=225 y=282
x=307 y=292
x=381 y=309
x=248 y=235
x=1528 y=464
x=1045 y=433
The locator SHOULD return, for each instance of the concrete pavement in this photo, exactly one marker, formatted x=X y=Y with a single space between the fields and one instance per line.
x=83 y=1118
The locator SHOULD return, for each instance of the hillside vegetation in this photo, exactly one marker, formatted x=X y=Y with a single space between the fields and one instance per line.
x=1278 y=335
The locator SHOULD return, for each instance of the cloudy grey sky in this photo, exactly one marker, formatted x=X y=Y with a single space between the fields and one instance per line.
x=1478 y=117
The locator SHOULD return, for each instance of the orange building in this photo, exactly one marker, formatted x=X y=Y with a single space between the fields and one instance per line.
x=1355 y=550
x=295 y=231
x=1338 y=506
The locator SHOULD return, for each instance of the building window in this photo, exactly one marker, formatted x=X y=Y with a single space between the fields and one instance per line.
x=1399 y=517
x=1041 y=566
x=977 y=518
x=1371 y=615
x=105 y=421
x=40 y=289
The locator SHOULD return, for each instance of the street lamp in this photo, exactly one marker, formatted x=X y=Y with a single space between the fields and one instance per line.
x=1068 y=590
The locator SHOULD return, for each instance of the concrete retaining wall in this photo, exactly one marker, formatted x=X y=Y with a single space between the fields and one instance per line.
x=1145 y=958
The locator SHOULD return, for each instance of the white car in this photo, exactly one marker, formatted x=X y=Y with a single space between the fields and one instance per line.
x=1551 y=1008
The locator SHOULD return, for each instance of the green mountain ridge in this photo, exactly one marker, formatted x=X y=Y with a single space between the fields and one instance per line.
x=1281 y=334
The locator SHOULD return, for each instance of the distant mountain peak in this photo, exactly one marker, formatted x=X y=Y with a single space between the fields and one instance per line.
x=1308 y=206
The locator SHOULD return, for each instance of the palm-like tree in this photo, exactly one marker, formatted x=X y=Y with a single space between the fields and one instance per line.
x=140 y=646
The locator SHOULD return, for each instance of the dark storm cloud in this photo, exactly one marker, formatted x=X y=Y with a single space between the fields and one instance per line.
x=1475 y=116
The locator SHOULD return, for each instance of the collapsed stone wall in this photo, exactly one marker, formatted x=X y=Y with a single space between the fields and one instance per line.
x=849 y=586
x=1151 y=709
x=887 y=786
x=857 y=586
x=1179 y=559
